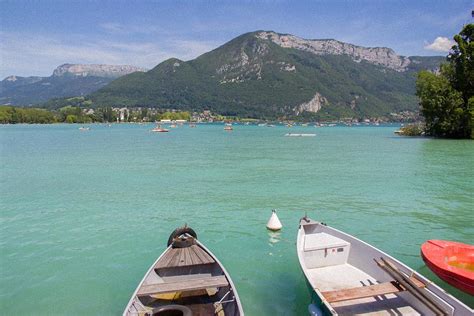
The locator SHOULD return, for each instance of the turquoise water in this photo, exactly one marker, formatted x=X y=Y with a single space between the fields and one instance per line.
x=84 y=214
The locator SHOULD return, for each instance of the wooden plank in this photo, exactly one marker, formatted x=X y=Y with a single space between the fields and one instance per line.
x=180 y=257
x=192 y=258
x=366 y=291
x=174 y=261
x=171 y=254
x=202 y=256
x=362 y=292
x=195 y=256
x=183 y=257
x=165 y=260
x=187 y=257
x=187 y=285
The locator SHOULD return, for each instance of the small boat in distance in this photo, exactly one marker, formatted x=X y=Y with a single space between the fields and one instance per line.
x=451 y=261
x=159 y=129
x=347 y=276
x=299 y=135
x=82 y=128
x=228 y=127
x=187 y=279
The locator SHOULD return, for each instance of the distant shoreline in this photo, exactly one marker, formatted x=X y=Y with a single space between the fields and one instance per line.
x=270 y=123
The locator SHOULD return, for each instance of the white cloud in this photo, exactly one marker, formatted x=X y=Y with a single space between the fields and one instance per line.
x=28 y=54
x=112 y=27
x=122 y=29
x=441 y=44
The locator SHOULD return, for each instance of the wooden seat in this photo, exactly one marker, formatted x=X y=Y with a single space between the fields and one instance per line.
x=181 y=257
x=367 y=291
x=184 y=285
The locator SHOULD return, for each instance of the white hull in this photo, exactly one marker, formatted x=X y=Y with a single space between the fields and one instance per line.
x=344 y=277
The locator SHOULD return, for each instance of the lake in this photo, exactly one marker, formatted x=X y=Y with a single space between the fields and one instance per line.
x=85 y=213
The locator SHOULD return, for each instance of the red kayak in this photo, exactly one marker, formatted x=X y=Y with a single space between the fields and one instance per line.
x=451 y=261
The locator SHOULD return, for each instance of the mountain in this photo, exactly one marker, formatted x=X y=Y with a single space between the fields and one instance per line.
x=104 y=71
x=66 y=80
x=266 y=74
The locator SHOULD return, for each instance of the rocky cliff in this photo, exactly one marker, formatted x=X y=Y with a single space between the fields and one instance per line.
x=105 y=71
x=376 y=55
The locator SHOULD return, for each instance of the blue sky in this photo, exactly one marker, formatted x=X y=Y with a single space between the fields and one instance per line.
x=37 y=36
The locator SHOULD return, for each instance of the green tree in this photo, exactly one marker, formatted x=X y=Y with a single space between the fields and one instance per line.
x=14 y=115
x=6 y=114
x=109 y=114
x=441 y=105
x=144 y=113
x=446 y=98
x=462 y=59
x=71 y=118
x=471 y=111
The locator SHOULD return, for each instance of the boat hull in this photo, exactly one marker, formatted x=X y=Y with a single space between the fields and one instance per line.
x=452 y=262
x=342 y=284
x=186 y=276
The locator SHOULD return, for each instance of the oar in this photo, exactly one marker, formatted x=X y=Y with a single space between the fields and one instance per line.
x=410 y=286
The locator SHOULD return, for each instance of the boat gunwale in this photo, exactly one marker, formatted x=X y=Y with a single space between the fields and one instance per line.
x=434 y=289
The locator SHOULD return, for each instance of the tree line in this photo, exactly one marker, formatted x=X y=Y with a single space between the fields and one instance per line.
x=75 y=114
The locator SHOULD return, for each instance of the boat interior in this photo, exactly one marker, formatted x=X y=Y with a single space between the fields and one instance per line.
x=186 y=280
x=351 y=279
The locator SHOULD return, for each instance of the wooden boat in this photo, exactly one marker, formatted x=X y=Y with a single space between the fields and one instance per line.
x=347 y=276
x=228 y=127
x=187 y=279
x=451 y=261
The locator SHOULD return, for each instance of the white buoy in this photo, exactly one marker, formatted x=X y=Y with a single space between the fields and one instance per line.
x=274 y=223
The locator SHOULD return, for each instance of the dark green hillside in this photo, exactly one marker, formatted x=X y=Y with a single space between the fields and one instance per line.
x=254 y=77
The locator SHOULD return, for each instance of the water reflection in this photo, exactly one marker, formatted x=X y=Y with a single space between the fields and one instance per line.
x=274 y=237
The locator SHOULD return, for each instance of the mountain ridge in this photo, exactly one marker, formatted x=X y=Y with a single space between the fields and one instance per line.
x=66 y=80
x=335 y=47
x=257 y=75
x=95 y=70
